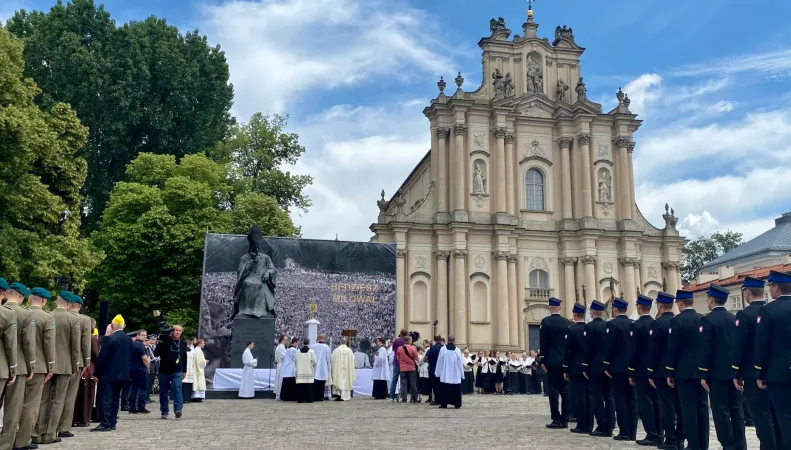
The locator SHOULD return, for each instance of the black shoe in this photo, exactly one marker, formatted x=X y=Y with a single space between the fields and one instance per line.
x=144 y=411
x=434 y=404
x=101 y=428
x=648 y=442
x=132 y=412
x=57 y=440
x=577 y=430
x=66 y=434
x=598 y=433
x=443 y=407
x=178 y=414
x=621 y=438
x=556 y=426
x=667 y=446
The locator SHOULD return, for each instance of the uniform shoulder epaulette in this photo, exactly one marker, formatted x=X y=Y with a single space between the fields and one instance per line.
x=6 y=307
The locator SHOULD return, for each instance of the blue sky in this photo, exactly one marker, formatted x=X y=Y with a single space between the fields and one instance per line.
x=711 y=79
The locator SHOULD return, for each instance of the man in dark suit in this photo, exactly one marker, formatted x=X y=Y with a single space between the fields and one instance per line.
x=616 y=359
x=669 y=403
x=773 y=353
x=744 y=363
x=112 y=370
x=684 y=374
x=639 y=374
x=580 y=391
x=600 y=384
x=431 y=357
x=553 y=344
x=717 y=331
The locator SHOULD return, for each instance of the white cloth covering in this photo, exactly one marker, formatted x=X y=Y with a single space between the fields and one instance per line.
x=280 y=354
x=247 y=386
x=450 y=368
x=230 y=380
x=323 y=360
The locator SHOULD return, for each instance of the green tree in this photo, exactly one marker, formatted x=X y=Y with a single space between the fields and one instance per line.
x=140 y=87
x=40 y=181
x=153 y=231
x=258 y=152
x=705 y=249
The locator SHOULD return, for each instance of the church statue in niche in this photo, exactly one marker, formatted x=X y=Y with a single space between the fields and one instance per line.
x=478 y=180
x=508 y=85
x=562 y=91
x=581 y=90
x=497 y=76
x=605 y=191
x=535 y=80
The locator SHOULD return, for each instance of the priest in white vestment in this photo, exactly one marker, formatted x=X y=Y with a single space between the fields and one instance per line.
x=323 y=368
x=450 y=373
x=247 y=386
x=342 y=373
x=288 y=373
x=280 y=354
x=381 y=373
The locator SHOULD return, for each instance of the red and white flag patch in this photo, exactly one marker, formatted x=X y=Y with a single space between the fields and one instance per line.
x=701 y=328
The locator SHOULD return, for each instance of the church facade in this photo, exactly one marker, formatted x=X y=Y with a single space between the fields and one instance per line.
x=527 y=192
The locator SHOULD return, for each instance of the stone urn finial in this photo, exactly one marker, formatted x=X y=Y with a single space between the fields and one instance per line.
x=382 y=203
x=459 y=80
x=626 y=101
x=619 y=95
x=441 y=85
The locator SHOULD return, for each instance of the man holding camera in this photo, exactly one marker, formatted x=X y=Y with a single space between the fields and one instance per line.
x=172 y=353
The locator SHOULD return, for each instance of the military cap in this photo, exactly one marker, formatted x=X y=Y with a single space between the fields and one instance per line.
x=597 y=306
x=644 y=300
x=682 y=294
x=41 y=292
x=4 y=284
x=65 y=295
x=750 y=282
x=619 y=303
x=554 y=301
x=779 y=277
x=21 y=288
x=664 y=297
x=77 y=299
x=718 y=291
x=578 y=309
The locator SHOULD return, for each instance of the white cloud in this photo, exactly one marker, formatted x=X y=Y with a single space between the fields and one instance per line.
x=280 y=50
x=770 y=63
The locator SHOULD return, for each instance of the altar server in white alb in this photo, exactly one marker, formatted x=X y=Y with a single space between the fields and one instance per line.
x=247 y=386
x=280 y=354
x=342 y=373
x=381 y=371
x=288 y=373
x=450 y=373
x=323 y=368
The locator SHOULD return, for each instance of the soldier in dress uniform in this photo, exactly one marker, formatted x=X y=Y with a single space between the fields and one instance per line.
x=84 y=385
x=83 y=337
x=26 y=362
x=593 y=363
x=67 y=343
x=684 y=374
x=8 y=349
x=669 y=404
x=616 y=359
x=773 y=353
x=580 y=391
x=744 y=363
x=43 y=325
x=553 y=344
x=717 y=335
x=639 y=373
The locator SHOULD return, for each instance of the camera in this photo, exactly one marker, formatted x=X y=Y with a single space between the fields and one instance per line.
x=164 y=330
x=415 y=337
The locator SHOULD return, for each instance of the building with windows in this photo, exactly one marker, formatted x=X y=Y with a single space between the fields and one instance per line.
x=527 y=192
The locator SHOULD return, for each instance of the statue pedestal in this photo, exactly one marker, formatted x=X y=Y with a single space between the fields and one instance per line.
x=313 y=330
x=259 y=330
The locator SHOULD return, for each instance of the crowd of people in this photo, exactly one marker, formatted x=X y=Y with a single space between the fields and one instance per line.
x=669 y=372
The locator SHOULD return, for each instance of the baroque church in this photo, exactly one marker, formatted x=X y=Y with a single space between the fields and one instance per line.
x=527 y=193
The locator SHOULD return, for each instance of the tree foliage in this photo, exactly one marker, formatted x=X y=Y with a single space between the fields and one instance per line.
x=153 y=232
x=705 y=249
x=140 y=87
x=258 y=152
x=40 y=178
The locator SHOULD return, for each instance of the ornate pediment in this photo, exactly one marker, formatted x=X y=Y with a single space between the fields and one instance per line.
x=533 y=105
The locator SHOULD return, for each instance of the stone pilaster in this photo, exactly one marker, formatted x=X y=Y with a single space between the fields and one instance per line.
x=629 y=151
x=442 y=170
x=513 y=316
x=584 y=141
x=400 y=321
x=630 y=290
x=565 y=167
x=459 y=328
x=502 y=324
x=591 y=287
x=510 y=189
x=500 y=134
x=442 y=292
x=460 y=186
x=622 y=170
x=569 y=289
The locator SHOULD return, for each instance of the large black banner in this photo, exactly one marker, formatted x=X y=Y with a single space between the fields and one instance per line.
x=353 y=284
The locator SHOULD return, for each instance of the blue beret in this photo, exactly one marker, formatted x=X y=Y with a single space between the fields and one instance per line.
x=76 y=298
x=66 y=295
x=681 y=295
x=664 y=297
x=21 y=288
x=718 y=292
x=644 y=300
x=750 y=282
x=4 y=284
x=779 y=277
x=619 y=303
x=554 y=301
x=597 y=306
x=578 y=309
x=40 y=292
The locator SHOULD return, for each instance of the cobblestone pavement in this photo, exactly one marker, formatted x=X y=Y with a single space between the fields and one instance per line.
x=484 y=421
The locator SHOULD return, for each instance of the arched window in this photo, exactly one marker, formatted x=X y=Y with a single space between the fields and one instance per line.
x=539 y=279
x=534 y=190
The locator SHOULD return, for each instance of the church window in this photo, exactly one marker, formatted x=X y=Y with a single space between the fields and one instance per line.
x=539 y=279
x=534 y=190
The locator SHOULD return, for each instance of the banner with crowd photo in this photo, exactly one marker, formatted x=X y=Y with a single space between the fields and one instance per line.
x=353 y=284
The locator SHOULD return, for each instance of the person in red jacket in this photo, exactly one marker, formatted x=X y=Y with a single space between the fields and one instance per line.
x=406 y=355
